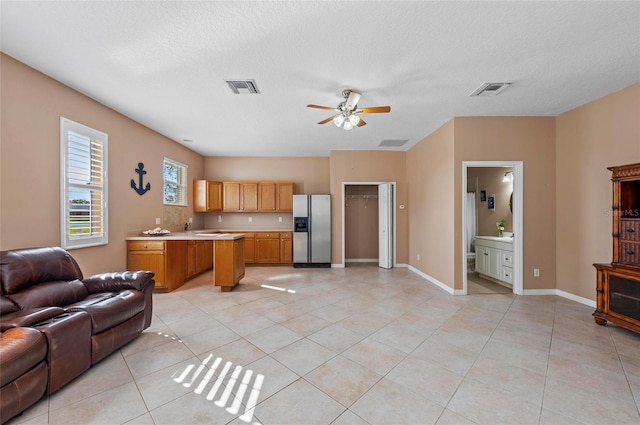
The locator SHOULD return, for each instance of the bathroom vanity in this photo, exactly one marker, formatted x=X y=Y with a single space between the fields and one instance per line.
x=494 y=258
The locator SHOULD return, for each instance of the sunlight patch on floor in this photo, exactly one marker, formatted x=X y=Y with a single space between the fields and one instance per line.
x=278 y=288
x=235 y=377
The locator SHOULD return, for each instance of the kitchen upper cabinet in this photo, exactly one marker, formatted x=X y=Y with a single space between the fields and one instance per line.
x=275 y=196
x=207 y=196
x=240 y=196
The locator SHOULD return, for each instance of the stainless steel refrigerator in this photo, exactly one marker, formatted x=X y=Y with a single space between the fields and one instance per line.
x=311 y=230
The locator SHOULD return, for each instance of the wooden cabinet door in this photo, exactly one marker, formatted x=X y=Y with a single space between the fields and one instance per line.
x=207 y=196
x=152 y=261
x=231 y=196
x=249 y=197
x=204 y=255
x=191 y=258
x=285 y=197
x=249 y=248
x=286 y=247
x=268 y=247
x=267 y=197
x=214 y=196
x=238 y=259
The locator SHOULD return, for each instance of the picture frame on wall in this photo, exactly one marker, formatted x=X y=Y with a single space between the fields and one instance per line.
x=483 y=195
x=492 y=202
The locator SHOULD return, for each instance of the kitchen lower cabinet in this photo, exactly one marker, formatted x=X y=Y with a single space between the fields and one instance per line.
x=267 y=247
x=286 y=247
x=199 y=256
x=167 y=259
x=228 y=268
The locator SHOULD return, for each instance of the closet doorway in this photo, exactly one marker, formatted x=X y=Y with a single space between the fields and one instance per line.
x=368 y=224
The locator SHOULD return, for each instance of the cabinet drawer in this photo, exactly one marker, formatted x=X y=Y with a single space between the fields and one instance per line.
x=269 y=235
x=507 y=259
x=630 y=253
x=630 y=230
x=286 y=235
x=507 y=274
x=146 y=245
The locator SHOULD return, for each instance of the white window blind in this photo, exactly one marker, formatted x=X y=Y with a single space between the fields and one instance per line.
x=83 y=155
x=175 y=182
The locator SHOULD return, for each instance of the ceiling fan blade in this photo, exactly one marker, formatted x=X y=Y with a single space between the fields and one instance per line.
x=328 y=108
x=361 y=123
x=374 y=110
x=327 y=120
x=352 y=100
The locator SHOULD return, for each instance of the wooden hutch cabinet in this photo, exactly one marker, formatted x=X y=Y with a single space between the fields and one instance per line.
x=618 y=283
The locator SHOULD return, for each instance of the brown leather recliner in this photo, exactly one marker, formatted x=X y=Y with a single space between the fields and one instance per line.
x=82 y=320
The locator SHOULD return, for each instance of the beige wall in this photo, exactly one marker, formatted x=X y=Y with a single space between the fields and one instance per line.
x=591 y=138
x=32 y=105
x=430 y=167
x=527 y=139
x=368 y=166
x=490 y=178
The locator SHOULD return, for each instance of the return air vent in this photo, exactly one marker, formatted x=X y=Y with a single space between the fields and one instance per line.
x=393 y=142
x=490 y=89
x=243 y=86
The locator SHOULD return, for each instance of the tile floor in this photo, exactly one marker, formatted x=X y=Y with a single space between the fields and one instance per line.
x=479 y=285
x=359 y=345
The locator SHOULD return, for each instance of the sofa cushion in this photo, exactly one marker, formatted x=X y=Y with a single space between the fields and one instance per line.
x=112 y=311
x=50 y=294
x=20 y=350
x=7 y=306
x=22 y=268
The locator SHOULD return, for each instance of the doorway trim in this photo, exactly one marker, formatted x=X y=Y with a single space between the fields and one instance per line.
x=343 y=198
x=518 y=225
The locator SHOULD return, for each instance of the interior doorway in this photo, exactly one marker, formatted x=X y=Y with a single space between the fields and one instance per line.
x=368 y=224
x=492 y=258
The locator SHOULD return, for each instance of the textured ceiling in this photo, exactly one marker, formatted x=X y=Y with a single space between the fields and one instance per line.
x=164 y=64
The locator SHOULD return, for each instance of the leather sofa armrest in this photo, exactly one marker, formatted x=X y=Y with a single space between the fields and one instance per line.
x=26 y=318
x=107 y=282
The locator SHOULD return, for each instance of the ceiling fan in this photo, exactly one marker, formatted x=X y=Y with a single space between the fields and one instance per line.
x=348 y=112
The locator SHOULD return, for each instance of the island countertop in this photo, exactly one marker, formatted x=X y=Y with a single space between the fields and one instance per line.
x=188 y=236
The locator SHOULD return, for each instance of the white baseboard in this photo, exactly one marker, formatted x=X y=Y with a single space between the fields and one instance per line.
x=337 y=266
x=432 y=280
x=576 y=298
x=401 y=265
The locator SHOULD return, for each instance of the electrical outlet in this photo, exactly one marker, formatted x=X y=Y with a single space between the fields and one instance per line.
x=250 y=219
x=279 y=219
x=219 y=219
x=536 y=272
x=158 y=220
x=418 y=257
x=190 y=219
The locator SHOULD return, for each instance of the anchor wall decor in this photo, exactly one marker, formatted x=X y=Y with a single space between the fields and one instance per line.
x=139 y=189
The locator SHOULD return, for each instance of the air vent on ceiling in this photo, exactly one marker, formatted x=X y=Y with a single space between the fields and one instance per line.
x=393 y=142
x=243 y=86
x=490 y=89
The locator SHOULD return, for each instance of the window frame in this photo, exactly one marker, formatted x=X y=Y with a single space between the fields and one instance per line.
x=182 y=186
x=101 y=237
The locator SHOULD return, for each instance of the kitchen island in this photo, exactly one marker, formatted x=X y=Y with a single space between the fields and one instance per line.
x=176 y=257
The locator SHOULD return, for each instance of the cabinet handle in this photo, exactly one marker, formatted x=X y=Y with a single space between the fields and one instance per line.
x=486 y=253
x=630 y=252
x=630 y=230
x=145 y=246
x=599 y=290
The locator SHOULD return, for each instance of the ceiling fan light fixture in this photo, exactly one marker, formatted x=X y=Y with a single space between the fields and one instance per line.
x=354 y=119
x=338 y=120
x=347 y=125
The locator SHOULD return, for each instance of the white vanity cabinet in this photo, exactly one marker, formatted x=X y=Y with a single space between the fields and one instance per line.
x=494 y=258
